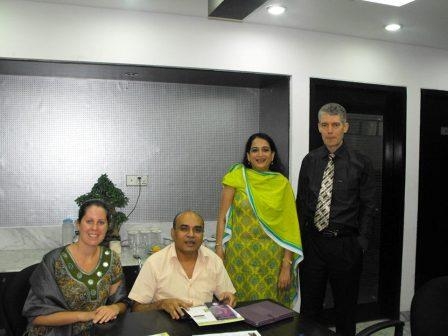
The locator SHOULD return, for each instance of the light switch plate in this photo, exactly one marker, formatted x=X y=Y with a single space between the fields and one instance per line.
x=136 y=180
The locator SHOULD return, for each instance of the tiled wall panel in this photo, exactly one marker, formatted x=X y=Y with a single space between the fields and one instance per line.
x=58 y=135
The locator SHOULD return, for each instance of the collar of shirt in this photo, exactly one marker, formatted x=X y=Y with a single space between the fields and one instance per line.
x=341 y=152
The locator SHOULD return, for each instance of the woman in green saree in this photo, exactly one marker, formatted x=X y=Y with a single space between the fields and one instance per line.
x=258 y=233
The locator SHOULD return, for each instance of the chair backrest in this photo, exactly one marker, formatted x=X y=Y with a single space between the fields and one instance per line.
x=13 y=298
x=429 y=309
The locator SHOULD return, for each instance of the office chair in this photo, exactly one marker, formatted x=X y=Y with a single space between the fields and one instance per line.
x=429 y=312
x=13 y=298
x=429 y=309
x=383 y=325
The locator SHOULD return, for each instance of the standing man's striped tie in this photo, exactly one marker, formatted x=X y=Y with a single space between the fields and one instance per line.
x=322 y=214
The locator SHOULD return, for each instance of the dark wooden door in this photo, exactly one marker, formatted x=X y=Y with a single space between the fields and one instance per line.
x=432 y=228
x=377 y=119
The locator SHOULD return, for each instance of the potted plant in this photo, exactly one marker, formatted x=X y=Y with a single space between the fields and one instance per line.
x=105 y=190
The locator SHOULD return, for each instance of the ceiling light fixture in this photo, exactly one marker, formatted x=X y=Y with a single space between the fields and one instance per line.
x=396 y=3
x=393 y=27
x=276 y=9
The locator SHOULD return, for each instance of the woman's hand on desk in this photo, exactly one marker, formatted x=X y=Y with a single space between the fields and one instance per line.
x=105 y=314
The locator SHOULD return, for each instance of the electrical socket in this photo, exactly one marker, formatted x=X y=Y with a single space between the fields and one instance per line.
x=136 y=180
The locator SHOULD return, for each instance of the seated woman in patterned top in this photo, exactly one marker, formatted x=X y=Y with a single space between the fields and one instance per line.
x=79 y=284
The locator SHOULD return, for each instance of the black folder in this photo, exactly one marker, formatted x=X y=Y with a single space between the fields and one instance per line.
x=264 y=312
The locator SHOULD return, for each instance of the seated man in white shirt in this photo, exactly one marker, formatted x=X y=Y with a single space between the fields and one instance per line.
x=183 y=274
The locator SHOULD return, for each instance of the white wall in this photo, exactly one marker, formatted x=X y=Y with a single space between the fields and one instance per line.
x=59 y=32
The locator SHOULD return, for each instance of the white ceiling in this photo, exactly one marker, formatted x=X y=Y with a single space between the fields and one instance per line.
x=425 y=22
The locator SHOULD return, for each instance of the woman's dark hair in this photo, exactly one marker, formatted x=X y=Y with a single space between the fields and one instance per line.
x=276 y=165
x=98 y=202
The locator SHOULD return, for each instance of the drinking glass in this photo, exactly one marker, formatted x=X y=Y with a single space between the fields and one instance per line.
x=156 y=239
x=145 y=236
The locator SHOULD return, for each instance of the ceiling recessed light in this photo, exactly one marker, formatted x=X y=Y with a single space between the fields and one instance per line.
x=276 y=9
x=397 y=3
x=393 y=27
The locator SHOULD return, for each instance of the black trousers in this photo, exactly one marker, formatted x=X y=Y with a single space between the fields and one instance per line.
x=339 y=261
